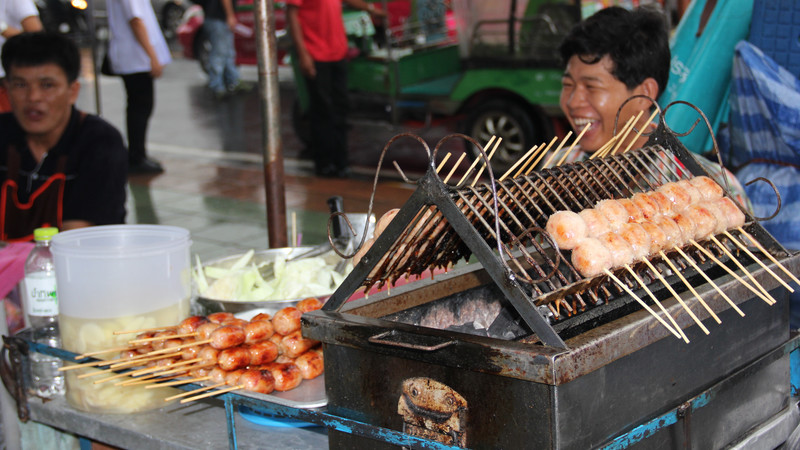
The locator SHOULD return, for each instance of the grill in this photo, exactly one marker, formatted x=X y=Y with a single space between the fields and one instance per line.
x=519 y=349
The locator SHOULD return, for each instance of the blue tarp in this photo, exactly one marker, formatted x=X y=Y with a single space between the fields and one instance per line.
x=765 y=138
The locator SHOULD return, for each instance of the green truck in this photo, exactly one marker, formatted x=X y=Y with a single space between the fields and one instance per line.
x=495 y=64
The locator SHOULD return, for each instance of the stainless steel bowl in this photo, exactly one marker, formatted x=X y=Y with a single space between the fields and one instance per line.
x=209 y=305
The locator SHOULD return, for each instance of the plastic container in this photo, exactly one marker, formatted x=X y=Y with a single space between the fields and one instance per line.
x=114 y=278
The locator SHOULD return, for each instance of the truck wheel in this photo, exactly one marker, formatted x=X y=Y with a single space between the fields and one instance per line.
x=202 y=50
x=505 y=119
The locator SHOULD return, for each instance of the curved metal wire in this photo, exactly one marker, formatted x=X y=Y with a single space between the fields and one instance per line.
x=633 y=97
x=710 y=132
x=529 y=232
x=372 y=195
x=777 y=195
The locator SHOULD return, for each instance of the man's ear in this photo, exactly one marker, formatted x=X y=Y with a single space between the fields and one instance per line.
x=74 y=90
x=649 y=87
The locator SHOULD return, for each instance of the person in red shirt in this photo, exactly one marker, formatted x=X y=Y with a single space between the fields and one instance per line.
x=320 y=41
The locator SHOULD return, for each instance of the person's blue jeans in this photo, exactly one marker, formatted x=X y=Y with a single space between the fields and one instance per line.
x=222 y=71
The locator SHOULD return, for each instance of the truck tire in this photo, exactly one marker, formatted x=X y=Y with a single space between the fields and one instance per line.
x=520 y=129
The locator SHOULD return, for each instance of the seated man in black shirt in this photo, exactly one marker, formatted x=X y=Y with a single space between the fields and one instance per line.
x=58 y=166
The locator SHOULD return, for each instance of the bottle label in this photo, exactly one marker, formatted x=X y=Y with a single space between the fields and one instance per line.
x=41 y=293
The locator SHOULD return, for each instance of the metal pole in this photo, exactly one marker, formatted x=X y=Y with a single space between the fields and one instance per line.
x=272 y=149
x=93 y=43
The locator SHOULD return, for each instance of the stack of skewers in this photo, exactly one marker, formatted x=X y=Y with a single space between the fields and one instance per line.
x=262 y=355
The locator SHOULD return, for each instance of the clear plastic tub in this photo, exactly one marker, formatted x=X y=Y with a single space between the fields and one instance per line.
x=113 y=278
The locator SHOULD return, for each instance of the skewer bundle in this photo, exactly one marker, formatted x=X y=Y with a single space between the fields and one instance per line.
x=262 y=355
x=617 y=233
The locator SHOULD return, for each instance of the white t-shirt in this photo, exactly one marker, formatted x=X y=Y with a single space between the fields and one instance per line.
x=124 y=52
x=13 y=12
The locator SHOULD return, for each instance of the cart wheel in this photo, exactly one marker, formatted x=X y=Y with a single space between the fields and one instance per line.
x=202 y=50
x=520 y=129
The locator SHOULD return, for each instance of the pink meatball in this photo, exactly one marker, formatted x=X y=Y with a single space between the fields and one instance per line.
x=663 y=202
x=614 y=212
x=709 y=189
x=722 y=220
x=686 y=226
x=646 y=205
x=677 y=195
x=596 y=223
x=658 y=239
x=704 y=221
x=734 y=215
x=634 y=213
x=671 y=230
x=694 y=193
x=590 y=257
x=638 y=239
x=621 y=251
x=566 y=228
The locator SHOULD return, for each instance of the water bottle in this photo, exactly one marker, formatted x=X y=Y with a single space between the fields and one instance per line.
x=41 y=306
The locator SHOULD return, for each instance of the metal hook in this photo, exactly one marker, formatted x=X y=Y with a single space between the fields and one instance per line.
x=633 y=97
x=374 y=189
x=710 y=132
x=777 y=195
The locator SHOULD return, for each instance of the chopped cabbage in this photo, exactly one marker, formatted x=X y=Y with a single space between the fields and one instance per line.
x=247 y=280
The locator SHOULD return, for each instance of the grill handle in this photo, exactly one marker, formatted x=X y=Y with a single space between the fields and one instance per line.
x=396 y=338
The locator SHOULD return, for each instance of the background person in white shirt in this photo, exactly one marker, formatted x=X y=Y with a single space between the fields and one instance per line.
x=138 y=53
x=16 y=16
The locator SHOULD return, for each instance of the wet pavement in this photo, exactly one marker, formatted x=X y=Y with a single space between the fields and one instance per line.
x=212 y=152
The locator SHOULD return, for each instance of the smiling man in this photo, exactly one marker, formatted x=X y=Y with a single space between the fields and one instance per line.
x=611 y=56
x=58 y=166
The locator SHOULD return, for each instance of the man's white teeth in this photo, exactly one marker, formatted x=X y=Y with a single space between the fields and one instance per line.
x=582 y=122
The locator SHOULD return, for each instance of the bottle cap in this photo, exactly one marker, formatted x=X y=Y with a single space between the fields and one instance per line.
x=44 y=234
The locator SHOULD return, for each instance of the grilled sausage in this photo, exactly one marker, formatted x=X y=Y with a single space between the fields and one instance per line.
x=233 y=358
x=295 y=344
x=260 y=381
x=310 y=364
x=190 y=324
x=227 y=336
x=262 y=353
x=219 y=317
x=287 y=320
x=287 y=376
x=308 y=304
x=259 y=330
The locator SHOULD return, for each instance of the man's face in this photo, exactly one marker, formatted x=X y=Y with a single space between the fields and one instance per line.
x=590 y=94
x=41 y=99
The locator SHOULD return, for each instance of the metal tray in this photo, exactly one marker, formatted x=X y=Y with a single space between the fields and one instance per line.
x=310 y=394
x=209 y=305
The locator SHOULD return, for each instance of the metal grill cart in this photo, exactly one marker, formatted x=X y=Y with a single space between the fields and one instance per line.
x=518 y=349
x=526 y=352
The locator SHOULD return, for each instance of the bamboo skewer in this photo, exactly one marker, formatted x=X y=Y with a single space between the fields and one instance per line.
x=741 y=267
x=731 y=272
x=140 y=359
x=178 y=382
x=108 y=350
x=134 y=373
x=693 y=291
x=475 y=162
x=574 y=143
x=161 y=338
x=188 y=393
x=639 y=133
x=484 y=163
x=145 y=330
x=760 y=263
x=679 y=334
x=771 y=258
x=547 y=149
x=534 y=158
x=710 y=281
x=631 y=124
x=441 y=164
x=102 y=362
x=677 y=297
x=211 y=394
x=524 y=158
x=149 y=381
x=453 y=170
x=636 y=297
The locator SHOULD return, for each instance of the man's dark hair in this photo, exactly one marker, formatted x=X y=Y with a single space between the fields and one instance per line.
x=636 y=41
x=39 y=48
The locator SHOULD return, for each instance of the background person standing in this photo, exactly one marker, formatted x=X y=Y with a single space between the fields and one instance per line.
x=16 y=16
x=220 y=24
x=320 y=42
x=138 y=53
